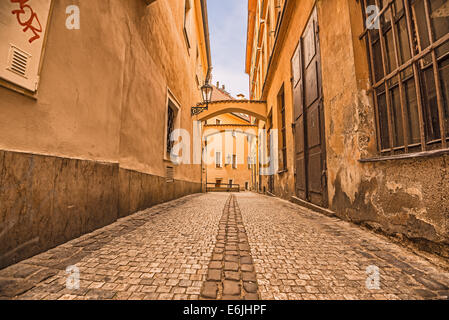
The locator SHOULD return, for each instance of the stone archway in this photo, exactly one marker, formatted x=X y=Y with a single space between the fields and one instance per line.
x=257 y=109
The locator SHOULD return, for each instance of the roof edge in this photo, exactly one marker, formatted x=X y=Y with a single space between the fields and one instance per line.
x=206 y=37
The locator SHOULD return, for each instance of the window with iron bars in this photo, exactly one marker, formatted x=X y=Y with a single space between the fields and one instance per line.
x=170 y=127
x=283 y=131
x=408 y=53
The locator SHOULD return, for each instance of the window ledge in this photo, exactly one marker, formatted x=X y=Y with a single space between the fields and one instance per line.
x=169 y=161
x=18 y=89
x=423 y=154
x=282 y=171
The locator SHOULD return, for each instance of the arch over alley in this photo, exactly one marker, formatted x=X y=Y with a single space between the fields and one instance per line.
x=257 y=109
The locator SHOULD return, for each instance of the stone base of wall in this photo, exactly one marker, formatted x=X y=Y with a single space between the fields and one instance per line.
x=139 y=191
x=404 y=199
x=405 y=216
x=46 y=201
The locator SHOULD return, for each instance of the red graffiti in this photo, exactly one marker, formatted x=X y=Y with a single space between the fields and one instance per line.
x=28 y=19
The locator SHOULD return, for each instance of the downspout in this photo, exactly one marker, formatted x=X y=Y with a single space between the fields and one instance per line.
x=275 y=45
x=206 y=38
x=208 y=74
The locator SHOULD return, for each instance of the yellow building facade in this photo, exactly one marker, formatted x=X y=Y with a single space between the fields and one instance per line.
x=360 y=112
x=86 y=114
x=230 y=140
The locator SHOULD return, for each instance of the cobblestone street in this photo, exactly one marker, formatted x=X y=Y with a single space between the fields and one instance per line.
x=222 y=246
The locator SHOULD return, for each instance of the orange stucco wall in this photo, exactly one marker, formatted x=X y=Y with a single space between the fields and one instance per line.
x=103 y=88
x=242 y=174
x=400 y=197
x=89 y=147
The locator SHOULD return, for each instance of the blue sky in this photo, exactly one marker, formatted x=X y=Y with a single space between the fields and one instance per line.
x=227 y=27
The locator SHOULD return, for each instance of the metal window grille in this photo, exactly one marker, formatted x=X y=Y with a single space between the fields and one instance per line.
x=409 y=69
x=283 y=162
x=170 y=127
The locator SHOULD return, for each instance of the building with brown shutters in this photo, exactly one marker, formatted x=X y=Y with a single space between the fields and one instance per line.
x=361 y=108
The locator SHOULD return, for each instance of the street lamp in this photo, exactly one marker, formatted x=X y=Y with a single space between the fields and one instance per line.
x=206 y=91
x=206 y=95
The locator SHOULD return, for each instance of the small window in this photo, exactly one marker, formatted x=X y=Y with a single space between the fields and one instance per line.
x=234 y=161
x=270 y=33
x=278 y=7
x=22 y=32
x=170 y=127
x=187 y=21
x=218 y=122
x=283 y=131
x=172 y=124
x=218 y=163
x=228 y=160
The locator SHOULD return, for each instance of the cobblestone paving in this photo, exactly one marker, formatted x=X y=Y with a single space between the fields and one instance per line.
x=167 y=252
x=299 y=254
x=160 y=253
x=231 y=273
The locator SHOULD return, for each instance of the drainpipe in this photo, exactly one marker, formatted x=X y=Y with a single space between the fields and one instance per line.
x=208 y=74
x=207 y=38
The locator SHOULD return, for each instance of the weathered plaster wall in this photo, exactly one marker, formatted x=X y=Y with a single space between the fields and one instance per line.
x=405 y=198
x=408 y=199
x=284 y=183
x=157 y=58
x=103 y=88
x=95 y=132
x=77 y=111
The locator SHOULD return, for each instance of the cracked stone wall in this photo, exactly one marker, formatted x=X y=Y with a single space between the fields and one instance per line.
x=404 y=198
x=408 y=199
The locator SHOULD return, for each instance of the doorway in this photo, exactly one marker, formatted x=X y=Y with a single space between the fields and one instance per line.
x=310 y=150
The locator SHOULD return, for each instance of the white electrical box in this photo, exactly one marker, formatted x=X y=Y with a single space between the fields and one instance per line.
x=22 y=31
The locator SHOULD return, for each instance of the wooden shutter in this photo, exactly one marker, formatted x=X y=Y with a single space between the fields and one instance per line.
x=22 y=30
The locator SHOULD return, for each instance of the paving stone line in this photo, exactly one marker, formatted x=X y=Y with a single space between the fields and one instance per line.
x=231 y=274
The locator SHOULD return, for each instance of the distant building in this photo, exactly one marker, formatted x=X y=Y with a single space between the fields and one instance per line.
x=232 y=165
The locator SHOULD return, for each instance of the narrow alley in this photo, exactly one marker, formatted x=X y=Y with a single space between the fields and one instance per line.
x=226 y=246
x=210 y=150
